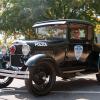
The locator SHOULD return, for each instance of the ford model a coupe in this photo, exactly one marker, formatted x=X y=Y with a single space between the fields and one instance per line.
x=62 y=48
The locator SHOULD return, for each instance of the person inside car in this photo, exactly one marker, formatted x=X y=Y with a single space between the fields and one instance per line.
x=75 y=34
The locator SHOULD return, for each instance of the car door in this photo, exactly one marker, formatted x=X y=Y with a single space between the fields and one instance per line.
x=80 y=45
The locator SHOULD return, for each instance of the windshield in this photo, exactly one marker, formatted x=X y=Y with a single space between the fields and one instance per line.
x=51 y=32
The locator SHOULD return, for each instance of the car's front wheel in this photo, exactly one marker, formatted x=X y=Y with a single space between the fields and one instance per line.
x=41 y=79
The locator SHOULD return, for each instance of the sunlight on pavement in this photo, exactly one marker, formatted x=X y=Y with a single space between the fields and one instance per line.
x=17 y=83
x=10 y=98
x=82 y=99
x=89 y=76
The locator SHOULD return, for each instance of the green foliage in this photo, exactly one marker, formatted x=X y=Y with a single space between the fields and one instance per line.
x=19 y=15
x=73 y=9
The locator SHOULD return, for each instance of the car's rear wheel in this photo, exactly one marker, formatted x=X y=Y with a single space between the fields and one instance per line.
x=41 y=79
x=5 y=81
x=98 y=77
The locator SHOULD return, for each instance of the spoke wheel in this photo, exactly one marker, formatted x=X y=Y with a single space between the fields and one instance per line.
x=42 y=79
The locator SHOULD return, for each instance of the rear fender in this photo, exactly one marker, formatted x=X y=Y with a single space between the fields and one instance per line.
x=92 y=60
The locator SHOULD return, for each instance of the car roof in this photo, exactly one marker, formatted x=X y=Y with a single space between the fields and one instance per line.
x=60 y=21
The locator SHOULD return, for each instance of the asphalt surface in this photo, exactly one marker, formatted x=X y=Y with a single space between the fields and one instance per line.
x=80 y=88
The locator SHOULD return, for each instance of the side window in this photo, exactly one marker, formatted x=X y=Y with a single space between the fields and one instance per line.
x=82 y=33
x=78 y=31
x=75 y=34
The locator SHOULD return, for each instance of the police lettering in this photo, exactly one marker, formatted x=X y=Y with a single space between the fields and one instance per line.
x=40 y=44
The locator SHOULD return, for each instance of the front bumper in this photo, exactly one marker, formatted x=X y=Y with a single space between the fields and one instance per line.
x=14 y=74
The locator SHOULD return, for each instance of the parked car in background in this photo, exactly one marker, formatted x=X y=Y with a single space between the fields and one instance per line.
x=4 y=56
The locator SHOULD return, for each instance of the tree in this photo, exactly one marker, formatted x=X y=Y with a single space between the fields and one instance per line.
x=74 y=9
x=20 y=15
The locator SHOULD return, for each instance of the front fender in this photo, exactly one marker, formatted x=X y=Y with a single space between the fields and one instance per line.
x=32 y=61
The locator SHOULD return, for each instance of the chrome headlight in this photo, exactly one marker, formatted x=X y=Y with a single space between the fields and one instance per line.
x=25 y=49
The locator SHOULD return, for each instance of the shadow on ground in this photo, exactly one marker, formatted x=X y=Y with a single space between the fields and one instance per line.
x=77 y=85
x=61 y=91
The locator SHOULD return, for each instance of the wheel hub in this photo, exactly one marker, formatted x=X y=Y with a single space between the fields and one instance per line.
x=40 y=78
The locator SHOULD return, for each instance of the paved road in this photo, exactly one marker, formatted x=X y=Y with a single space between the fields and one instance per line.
x=80 y=88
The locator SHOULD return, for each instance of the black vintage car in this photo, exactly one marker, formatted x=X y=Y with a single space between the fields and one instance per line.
x=62 y=48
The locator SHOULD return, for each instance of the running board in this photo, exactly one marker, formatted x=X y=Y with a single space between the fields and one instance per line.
x=73 y=71
x=14 y=74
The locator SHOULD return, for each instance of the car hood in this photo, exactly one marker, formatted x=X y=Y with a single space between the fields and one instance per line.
x=40 y=43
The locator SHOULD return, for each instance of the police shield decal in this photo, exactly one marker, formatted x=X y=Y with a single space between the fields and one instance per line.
x=78 y=50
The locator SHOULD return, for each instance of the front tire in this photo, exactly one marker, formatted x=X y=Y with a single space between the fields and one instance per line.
x=41 y=79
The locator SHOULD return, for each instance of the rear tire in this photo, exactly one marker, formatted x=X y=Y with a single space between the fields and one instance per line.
x=98 y=77
x=41 y=79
